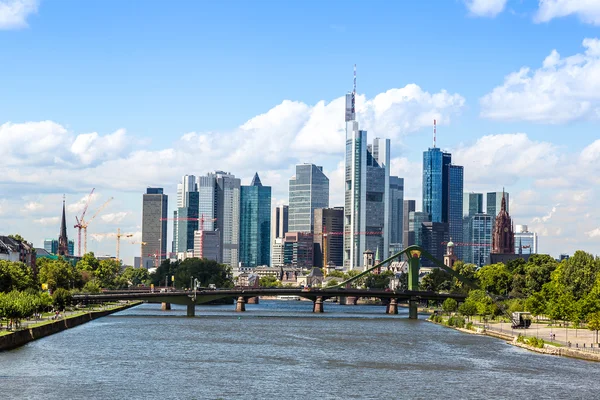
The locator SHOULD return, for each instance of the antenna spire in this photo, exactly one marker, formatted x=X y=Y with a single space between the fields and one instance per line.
x=434 y=133
x=354 y=89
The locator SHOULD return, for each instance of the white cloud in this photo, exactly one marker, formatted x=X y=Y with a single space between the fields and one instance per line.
x=47 y=221
x=14 y=13
x=593 y=233
x=591 y=154
x=563 y=89
x=588 y=11
x=546 y=217
x=485 y=8
x=78 y=206
x=32 y=206
x=114 y=218
x=91 y=147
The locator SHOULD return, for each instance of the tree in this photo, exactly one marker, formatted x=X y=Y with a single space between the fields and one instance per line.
x=15 y=276
x=107 y=272
x=536 y=304
x=538 y=272
x=495 y=278
x=593 y=323
x=208 y=272
x=58 y=274
x=336 y=274
x=88 y=263
x=92 y=287
x=332 y=282
x=61 y=298
x=437 y=280
x=135 y=276
x=378 y=281
x=269 y=281
x=578 y=274
x=449 y=305
x=468 y=308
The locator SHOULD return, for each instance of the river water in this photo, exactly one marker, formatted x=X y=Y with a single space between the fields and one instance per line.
x=280 y=350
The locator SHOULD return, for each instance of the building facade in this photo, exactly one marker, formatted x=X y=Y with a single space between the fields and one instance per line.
x=328 y=239
x=435 y=184
x=279 y=222
x=525 y=242
x=298 y=250
x=154 y=223
x=503 y=238
x=455 y=207
x=207 y=245
x=227 y=214
x=396 y=211
x=308 y=190
x=408 y=207
x=415 y=227
x=494 y=203
x=472 y=204
x=187 y=224
x=479 y=238
x=435 y=236
x=187 y=184
x=255 y=224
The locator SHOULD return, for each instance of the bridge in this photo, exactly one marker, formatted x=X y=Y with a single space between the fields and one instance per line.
x=343 y=291
x=242 y=295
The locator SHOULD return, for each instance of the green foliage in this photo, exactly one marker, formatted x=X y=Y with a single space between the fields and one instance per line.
x=88 y=263
x=332 y=282
x=469 y=326
x=336 y=274
x=206 y=271
x=15 y=276
x=593 y=321
x=536 y=304
x=449 y=305
x=531 y=341
x=59 y=274
x=61 y=298
x=468 y=308
x=92 y=287
x=16 y=305
x=437 y=281
x=495 y=278
x=166 y=269
x=106 y=273
x=456 y=321
x=378 y=281
x=269 y=281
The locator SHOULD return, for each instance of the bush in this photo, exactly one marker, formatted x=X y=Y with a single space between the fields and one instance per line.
x=61 y=298
x=469 y=326
x=456 y=321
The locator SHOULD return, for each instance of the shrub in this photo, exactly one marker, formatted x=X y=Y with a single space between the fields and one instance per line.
x=61 y=298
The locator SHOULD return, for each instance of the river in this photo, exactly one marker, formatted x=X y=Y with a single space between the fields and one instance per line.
x=280 y=350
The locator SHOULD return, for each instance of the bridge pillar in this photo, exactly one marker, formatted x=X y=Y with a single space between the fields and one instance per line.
x=252 y=300
x=412 y=308
x=191 y=310
x=392 y=307
x=318 y=305
x=241 y=304
x=165 y=306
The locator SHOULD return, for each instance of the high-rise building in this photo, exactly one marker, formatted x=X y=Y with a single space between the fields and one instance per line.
x=455 y=207
x=298 y=249
x=415 y=227
x=435 y=184
x=435 y=237
x=396 y=211
x=63 y=241
x=472 y=204
x=255 y=224
x=479 y=238
x=227 y=213
x=277 y=252
x=51 y=246
x=187 y=184
x=378 y=197
x=187 y=224
x=206 y=201
x=409 y=206
x=309 y=189
x=503 y=238
x=154 y=224
x=494 y=203
x=328 y=243
x=279 y=222
x=207 y=244
x=525 y=242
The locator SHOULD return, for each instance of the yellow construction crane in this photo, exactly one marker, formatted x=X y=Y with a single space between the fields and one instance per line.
x=84 y=224
x=119 y=236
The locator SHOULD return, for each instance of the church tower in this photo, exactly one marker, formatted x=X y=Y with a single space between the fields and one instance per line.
x=63 y=241
x=503 y=237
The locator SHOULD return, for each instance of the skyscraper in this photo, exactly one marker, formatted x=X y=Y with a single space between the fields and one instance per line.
x=187 y=184
x=309 y=189
x=435 y=184
x=367 y=194
x=279 y=222
x=227 y=213
x=187 y=217
x=434 y=238
x=206 y=201
x=255 y=223
x=415 y=226
x=472 y=204
x=329 y=247
x=154 y=224
x=494 y=203
x=479 y=238
x=455 y=207
x=526 y=242
x=409 y=205
x=396 y=210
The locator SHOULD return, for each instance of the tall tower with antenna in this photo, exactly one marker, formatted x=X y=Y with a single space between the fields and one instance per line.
x=434 y=133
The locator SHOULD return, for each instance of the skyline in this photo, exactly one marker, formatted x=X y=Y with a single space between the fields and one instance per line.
x=92 y=113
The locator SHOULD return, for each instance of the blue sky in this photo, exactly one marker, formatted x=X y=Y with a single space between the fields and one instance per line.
x=120 y=95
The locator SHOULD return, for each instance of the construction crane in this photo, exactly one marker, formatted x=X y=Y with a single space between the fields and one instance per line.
x=84 y=224
x=119 y=236
x=80 y=222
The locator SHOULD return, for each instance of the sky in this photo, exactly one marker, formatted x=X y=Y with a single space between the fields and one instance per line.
x=123 y=95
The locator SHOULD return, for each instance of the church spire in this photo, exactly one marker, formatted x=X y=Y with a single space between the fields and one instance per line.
x=63 y=241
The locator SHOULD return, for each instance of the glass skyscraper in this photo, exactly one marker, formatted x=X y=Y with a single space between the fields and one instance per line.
x=227 y=213
x=309 y=189
x=472 y=204
x=494 y=202
x=435 y=187
x=154 y=224
x=455 y=207
x=396 y=210
x=187 y=224
x=480 y=240
x=255 y=223
x=525 y=242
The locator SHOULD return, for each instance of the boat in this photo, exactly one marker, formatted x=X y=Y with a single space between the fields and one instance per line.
x=288 y=297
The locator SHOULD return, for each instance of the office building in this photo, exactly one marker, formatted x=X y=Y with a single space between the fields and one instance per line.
x=472 y=204
x=51 y=246
x=206 y=201
x=227 y=213
x=408 y=207
x=207 y=244
x=154 y=224
x=187 y=184
x=525 y=242
x=367 y=192
x=494 y=203
x=187 y=224
x=279 y=222
x=255 y=224
x=396 y=212
x=415 y=227
x=435 y=184
x=308 y=190
x=328 y=239
x=479 y=238
x=298 y=249
x=455 y=207
x=435 y=236
x=277 y=253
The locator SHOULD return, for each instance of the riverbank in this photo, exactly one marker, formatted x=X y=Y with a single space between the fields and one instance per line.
x=548 y=349
x=19 y=338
